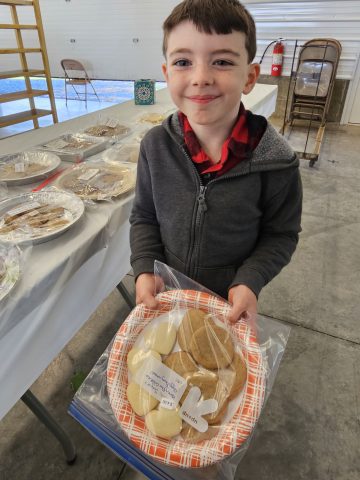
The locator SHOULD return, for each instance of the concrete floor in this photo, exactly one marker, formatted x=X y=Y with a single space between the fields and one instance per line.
x=310 y=427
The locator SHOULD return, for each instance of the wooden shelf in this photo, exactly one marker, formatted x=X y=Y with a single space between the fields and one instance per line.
x=13 y=26
x=21 y=73
x=19 y=50
x=7 y=120
x=10 y=97
x=16 y=2
x=29 y=93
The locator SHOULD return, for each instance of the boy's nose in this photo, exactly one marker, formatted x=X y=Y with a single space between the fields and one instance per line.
x=202 y=76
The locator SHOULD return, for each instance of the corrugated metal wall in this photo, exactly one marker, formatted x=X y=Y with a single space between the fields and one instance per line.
x=305 y=20
x=105 y=32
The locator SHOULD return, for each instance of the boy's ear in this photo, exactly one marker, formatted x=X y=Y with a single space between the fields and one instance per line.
x=164 y=70
x=253 y=75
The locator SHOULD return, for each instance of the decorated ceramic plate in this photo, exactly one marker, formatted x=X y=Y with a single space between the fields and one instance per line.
x=38 y=217
x=235 y=429
x=27 y=167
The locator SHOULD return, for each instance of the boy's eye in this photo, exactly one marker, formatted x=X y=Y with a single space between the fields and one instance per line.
x=223 y=63
x=181 y=63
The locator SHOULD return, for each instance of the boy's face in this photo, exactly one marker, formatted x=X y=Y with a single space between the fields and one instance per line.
x=207 y=74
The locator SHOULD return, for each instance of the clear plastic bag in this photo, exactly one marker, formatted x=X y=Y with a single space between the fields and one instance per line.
x=180 y=393
x=314 y=78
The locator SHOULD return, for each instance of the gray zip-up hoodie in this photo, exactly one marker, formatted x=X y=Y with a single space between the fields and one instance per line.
x=241 y=228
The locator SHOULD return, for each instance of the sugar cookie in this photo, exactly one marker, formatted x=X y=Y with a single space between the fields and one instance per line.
x=239 y=367
x=191 y=435
x=204 y=379
x=181 y=363
x=161 y=338
x=210 y=387
x=164 y=423
x=140 y=400
x=212 y=347
x=136 y=357
x=192 y=321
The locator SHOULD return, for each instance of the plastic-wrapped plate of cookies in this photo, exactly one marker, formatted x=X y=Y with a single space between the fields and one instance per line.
x=27 y=167
x=38 y=217
x=186 y=387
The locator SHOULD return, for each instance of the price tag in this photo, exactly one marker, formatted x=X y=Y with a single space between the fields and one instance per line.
x=24 y=208
x=19 y=167
x=57 y=144
x=86 y=176
x=161 y=382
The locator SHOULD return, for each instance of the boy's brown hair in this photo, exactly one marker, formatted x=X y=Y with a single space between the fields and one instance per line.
x=209 y=16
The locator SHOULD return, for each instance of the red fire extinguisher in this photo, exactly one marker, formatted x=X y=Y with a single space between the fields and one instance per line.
x=277 y=59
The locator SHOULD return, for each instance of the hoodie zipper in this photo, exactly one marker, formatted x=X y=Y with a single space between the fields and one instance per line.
x=201 y=208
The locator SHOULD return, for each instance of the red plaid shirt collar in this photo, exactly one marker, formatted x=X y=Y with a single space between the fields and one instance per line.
x=237 y=147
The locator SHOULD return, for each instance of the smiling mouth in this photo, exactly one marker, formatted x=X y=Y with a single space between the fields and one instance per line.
x=202 y=98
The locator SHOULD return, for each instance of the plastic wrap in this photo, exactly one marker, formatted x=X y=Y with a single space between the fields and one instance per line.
x=75 y=147
x=9 y=268
x=309 y=74
x=12 y=261
x=27 y=167
x=98 y=180
x=38 y=217
x=124 y=152
x=180 y=388
x=112 y=129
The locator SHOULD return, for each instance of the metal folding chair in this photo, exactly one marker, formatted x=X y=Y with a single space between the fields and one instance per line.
x=75 y=74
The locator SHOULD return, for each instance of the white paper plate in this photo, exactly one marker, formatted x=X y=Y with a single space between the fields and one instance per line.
x=27 y=167
x=73 y=206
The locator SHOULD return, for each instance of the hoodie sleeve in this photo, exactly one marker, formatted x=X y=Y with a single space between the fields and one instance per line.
x=145 y=239
x=279 y=234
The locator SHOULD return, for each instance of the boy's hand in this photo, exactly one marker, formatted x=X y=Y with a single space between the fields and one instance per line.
x=244 y=303
x=146 y=287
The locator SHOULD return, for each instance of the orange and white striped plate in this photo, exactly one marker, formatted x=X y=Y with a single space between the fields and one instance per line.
x=176 y=452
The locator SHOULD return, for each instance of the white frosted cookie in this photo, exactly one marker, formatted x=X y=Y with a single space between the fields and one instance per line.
x=161 y=338
x=136 y=357
x=164 y=423
x=140 y=400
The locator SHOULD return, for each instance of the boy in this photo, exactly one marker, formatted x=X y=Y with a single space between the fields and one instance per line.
x=218 y=193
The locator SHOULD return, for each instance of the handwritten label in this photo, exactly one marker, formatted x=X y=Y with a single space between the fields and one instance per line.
x=24 y=208
x=19 y=167
x=168 y=404
x=161 y=382
x=88 y=174
x=193 y=408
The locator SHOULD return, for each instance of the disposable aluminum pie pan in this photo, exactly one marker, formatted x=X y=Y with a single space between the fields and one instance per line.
x=38 y=217
x=111 y=128
x=27 y=167
x=98 y=180
x=75 y=147
x=9 y=269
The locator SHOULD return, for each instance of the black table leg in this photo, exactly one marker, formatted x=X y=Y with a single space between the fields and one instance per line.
x=48 y=420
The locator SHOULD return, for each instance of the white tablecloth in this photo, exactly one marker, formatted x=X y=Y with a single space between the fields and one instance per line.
x=67 y=278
